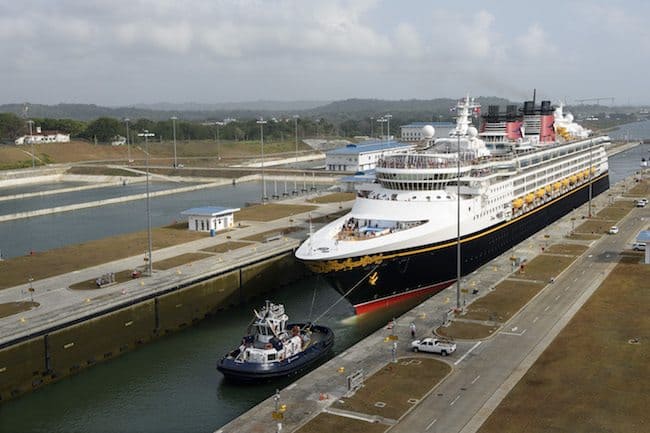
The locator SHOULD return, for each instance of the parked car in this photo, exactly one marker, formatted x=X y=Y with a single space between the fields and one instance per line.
x=434 y=345
x=638 y=246
x=613 y=230
x=642 y=202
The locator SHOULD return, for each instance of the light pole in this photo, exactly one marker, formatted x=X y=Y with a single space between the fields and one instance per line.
x=382 y=121
x=128 y=141
x=217 y=125
x=261 y=122
x=388 y=117
x=372 y=126
x=458 y=225
x=295 y=125
x=30 y=122
x=590 y=165
x=174 y=133
x=146 y=134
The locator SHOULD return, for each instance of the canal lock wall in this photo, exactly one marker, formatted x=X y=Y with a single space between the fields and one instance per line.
x=58 y=353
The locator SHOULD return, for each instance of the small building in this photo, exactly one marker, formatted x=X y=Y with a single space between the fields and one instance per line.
x=118 y=140
x=362 y=156
x=413 y=131
x=210 y=218
x=43 y=137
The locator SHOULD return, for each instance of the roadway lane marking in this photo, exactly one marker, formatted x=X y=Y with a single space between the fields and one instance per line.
x=566 y=288
x=454 y=400
x=535 y=319
x=518 y=334
x=547 y=307
x=557 y=297
x=475 y=379
x=431 y=423
x=467 y=353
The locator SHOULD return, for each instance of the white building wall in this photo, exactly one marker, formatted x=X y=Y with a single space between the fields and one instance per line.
x=203 y=223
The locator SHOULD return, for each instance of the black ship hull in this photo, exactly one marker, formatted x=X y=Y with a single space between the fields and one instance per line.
x=427 y=269
x=320 y=347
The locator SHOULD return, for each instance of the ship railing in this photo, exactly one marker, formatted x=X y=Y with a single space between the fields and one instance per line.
x=355 y=229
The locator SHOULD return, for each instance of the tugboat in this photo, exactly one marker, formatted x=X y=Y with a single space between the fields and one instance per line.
x=273 y=348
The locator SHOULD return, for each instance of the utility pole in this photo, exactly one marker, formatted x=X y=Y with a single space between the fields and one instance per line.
x=261 y=122
x=174 y=133
x=146 y=134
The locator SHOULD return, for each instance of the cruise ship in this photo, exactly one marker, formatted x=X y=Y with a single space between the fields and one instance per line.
x=491 y=186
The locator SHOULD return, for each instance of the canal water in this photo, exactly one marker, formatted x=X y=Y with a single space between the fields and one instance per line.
x=171 y=385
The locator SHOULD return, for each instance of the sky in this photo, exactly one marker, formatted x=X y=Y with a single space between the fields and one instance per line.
x=123 y=52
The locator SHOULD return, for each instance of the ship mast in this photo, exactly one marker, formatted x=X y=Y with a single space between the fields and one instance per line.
x=465 y=108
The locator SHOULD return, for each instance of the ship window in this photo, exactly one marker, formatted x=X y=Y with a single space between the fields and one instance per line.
x=271 y=356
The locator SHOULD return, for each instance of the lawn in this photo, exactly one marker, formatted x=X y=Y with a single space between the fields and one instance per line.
x=594 y=375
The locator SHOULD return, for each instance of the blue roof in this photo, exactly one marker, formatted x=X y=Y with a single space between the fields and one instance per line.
x=434 y=124
x=368 y=146
x=209 y=211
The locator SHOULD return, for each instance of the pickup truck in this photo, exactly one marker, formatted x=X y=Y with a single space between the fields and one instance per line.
x=433 y=345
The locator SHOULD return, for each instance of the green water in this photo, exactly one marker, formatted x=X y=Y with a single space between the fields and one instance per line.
x=172 y=385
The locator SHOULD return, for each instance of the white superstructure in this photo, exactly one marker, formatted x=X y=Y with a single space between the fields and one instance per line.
x=413 y=201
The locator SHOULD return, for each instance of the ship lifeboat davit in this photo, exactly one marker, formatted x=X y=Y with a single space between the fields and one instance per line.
x=517 y=203
x=529 y=198
x=540 y=193
x=557 y=185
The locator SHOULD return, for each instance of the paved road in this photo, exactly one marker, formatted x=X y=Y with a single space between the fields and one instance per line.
x=484 y=373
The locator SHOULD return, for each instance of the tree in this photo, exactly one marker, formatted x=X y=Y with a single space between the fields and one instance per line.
x=11 y=126
x=103 y=129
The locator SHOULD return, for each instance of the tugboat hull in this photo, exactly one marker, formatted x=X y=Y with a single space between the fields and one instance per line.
x=320 y=346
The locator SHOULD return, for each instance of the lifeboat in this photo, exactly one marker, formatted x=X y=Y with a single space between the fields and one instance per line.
x=586 y=173
x=540 y=193
x=580 y=176
x=548 y=189
x=529 y=198
x=557 y=185
x=517 y=203
x=573 y=179
x=593 y=170
x=565 y=182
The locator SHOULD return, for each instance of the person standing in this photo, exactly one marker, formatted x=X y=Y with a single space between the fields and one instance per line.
x=412 y=326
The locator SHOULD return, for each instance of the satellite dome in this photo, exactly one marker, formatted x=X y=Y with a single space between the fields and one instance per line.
x=569 y=117
x=428 y=131
x=472 y=131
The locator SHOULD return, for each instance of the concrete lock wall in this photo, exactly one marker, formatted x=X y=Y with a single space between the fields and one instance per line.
x=269 y=274
x=21 y=367
x=84 y=344
x=193 y=303
x=57 y=354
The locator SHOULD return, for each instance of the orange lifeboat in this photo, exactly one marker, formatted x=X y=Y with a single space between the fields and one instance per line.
x=529 y=198
x=565 y=182
x=593 y=170
x=557 y=185
x=517 y=203
x=586 y=173
x=540 y=193
x=573 y=179
x=548 y=189
x=580 y=176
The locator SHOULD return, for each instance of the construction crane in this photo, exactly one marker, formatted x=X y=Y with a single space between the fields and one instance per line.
x=596 y=100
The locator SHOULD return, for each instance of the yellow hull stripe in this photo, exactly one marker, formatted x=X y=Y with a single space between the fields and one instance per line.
x=349 y=263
